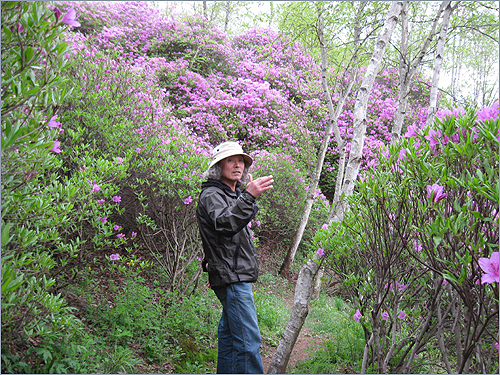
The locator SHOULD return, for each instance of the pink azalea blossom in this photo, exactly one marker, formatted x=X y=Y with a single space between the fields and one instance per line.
x=412 y=131
x=120 y=235
x=321 y=252
x=490 y=268
x=417 y=246
x=70 y=18
x=357 y=315
x=133 y=234
x=447 y=113
x=401 y=314
x=100 y=201
x=435 y=192
x=402 y=153
x=53 y=123
x=445 y=139
x=385 y=315
x=117 y=227
x=117 y=199
x=104 y=219
x=20 y=28
x=95 y=187
x=114 y=257
x=57 y=13
x=188 y=200
x=55 y=148
x=119 y=160
x=488 y=113
x=433 y=137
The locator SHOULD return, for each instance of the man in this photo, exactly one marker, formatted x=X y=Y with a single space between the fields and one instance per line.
x=223 y=215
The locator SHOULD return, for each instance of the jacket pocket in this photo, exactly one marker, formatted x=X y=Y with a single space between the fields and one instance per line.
x=235 y=258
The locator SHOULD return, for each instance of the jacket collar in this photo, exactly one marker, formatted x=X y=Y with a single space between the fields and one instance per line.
x=219 y=184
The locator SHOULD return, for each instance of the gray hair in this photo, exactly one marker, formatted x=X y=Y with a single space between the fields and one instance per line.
x=215 y=173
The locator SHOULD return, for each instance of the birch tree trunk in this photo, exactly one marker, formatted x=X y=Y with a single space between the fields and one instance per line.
x=228 y=11
x=361 y=104
x=317 y=284
x=341 y=144
x=297 y=317
x=205 y=9
x=406 y=72
x=332 y=126
x=310 y=269
x=438 y=62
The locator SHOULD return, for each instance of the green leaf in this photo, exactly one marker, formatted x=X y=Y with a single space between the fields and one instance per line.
x=449 y=276
x=5 y=234
x=28 y=54
x=437 y=240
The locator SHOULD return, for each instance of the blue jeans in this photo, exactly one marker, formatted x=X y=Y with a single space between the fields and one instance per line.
x=239 y=334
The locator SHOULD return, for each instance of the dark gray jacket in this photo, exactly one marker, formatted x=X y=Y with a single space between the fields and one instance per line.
x=223 y=216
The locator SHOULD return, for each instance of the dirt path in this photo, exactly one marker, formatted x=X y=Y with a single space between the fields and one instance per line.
x=305 y=345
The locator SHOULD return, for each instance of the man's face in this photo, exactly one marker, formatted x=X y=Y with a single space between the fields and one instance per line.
x=232 y=169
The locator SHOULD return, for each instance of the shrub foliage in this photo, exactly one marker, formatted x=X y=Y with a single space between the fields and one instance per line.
x=109 y=110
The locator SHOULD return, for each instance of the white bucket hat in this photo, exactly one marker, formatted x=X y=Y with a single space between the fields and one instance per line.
x=227 y=149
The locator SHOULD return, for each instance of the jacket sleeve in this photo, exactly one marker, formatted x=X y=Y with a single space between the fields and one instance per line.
x=229 y=218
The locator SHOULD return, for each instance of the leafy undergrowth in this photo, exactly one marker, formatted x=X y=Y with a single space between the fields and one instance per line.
x=133 y=324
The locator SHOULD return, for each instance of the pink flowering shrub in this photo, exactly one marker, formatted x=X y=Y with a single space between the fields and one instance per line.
x=260 y=88
x=143 y=160
x=426 y=217
x=38 y=207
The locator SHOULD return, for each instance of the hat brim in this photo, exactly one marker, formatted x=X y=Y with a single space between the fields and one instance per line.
x=223 y=155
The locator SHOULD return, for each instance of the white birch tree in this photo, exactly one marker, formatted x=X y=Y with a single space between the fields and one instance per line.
x=309 y=270
x=359 y=129
x=438 y=62
x=332 y=126
x=408 y=69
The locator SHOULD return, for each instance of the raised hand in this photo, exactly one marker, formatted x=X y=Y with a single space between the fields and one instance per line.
x=260 y=185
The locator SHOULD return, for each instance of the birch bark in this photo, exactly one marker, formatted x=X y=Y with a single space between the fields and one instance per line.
x=297 y=318
x=309 y=270
x=406 y=72
x=332 y=126
x=361 y=103
x=438 y=61
x=228 y=11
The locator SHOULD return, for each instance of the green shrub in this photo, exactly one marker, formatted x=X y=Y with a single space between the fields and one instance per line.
x=36 y=205
x=410 y=245
x=281 y=208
